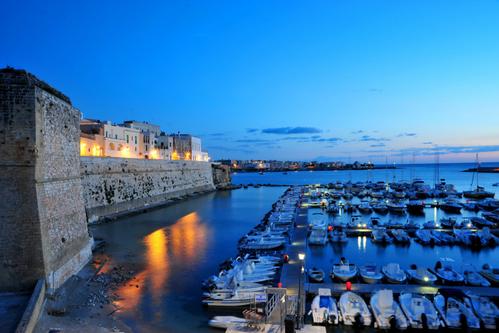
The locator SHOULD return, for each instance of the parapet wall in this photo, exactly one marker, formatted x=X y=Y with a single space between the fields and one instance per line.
x=113 y=186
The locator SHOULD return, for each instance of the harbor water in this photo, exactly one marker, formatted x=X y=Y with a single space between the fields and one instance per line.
x=173 y=249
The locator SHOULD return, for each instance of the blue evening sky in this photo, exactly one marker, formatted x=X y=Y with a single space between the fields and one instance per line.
x=299 y=80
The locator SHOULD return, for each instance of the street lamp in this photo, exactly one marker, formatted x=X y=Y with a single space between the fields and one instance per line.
x=301 y=257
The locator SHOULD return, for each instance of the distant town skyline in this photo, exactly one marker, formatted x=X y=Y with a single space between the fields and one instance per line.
x=322 y=80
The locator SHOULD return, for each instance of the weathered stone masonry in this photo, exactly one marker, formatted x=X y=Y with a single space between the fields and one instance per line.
x=43 y=230
x=115 y=185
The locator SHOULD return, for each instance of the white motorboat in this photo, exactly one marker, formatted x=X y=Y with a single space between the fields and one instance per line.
x=354 y=309
x=316 y=274
x=425 y=237
x=396 y=207
x=225 y=322
x=236 y=300
x=467 y=237
x=491 y=274
x=446 y=272
x=365 y=207
x=420 y=311
x=261 y=244
x=318 y=235
x=443 y=237
x=344 y=271
x=486 y=237
x=454 y=311
x=338 y=235
x=380 y=208
x=379 y=235
x=356 y=222
x=473 y=278
x=387 y=312
x=371 y=273
x=324 y=309
x=393 y=273
x=421 y=275
x=400 y=236
x=485 y=309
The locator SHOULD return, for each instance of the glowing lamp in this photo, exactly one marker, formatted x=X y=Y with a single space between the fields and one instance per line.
x=426 y=279
x=279 y=285
x=348 y=285
x=301 y=256
x=330 y=227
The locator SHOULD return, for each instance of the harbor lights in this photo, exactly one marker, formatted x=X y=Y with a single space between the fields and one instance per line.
x=299 y=324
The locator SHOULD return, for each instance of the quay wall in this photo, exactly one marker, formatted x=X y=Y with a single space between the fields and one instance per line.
x=116 y=186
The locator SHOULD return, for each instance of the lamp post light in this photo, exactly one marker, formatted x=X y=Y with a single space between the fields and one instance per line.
x=301 y=257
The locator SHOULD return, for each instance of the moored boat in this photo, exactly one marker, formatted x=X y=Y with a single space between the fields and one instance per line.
x=344 y=271
x=354 y=310
x=393 y=273
x=420 y=311
x=485 y=309
x=323 y=308
x=316 y=275
x=370 y=273
x=454 y=311
x=387 y=312
x=421 y=275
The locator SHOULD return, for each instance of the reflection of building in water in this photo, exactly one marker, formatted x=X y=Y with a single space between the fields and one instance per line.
x=188 y=237
x=185 y=240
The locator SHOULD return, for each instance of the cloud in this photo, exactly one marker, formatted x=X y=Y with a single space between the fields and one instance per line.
x=406 y=134
x=251 y=130
x=291 y=130
x=427 y=143
x=381 y=144
x=358 y=132
x=255 y=140
x=376 y=90
x=367 y=138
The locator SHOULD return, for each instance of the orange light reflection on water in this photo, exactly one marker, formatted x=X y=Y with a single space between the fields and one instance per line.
x=184 y=241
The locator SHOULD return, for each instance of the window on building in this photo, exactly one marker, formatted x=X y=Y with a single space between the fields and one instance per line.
x=116 y=136
x=111 y=146
x=135 y=139
x=127 y=139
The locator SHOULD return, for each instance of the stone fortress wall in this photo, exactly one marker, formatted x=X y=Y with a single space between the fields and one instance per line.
x=114 y=186
x=43 y=227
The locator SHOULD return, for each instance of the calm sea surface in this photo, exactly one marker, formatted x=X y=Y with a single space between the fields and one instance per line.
x=173 y=249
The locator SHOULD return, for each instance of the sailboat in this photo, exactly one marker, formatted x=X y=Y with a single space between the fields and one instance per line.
x=478 y=193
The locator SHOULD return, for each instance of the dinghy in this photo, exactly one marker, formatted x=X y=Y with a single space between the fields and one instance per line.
x=344 y=271
x=446 y=273
x=354 y=310
x=491 y=274
x=225 y=322
x=473 y=278
x=316 y=275
x=420 y=312
x=454 y=311
x=486 y=310
x=386 y=311
x=370 y=273
x=323 y=308
x=338 y=235
x=379 y=235
x=400 y=236
x=421 y=275
x=393 y=273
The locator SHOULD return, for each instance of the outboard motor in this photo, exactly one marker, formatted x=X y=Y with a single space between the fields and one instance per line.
x=463 y=321
x=358 y=320
x=424 y=321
